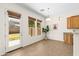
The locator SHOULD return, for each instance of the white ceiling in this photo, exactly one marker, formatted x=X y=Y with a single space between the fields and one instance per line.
x=57 y=9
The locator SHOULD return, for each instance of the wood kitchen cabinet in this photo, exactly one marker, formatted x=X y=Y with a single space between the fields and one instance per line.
x=68 y=38
x=73 y=22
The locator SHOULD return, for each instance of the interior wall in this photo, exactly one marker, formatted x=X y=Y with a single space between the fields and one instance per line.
x=2 y=31
x=61 y=24
x=26 y=39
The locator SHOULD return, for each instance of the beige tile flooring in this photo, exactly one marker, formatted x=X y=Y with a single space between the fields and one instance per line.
x=44 y=48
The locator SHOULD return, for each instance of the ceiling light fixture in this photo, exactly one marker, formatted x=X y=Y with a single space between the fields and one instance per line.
x=48 y=17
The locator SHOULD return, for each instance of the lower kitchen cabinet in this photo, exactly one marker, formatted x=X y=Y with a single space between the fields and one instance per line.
x=68 y=38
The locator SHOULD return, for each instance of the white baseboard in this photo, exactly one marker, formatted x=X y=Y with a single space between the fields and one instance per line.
x=56 y=40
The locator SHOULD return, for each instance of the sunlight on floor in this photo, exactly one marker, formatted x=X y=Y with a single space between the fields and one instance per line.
x=14 y=43
x=14 y=39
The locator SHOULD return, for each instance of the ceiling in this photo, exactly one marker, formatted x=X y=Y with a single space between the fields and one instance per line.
x=52 y=9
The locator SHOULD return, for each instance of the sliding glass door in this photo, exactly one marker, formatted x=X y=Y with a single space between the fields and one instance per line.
x=14 y=36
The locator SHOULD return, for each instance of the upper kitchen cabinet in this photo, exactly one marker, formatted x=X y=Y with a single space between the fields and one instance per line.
x=73 y=22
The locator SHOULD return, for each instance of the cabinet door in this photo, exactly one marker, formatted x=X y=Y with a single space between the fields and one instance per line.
x=68 y=38
x=76 y=22
x=70 y=23
x=65 y=38
x=73 y=22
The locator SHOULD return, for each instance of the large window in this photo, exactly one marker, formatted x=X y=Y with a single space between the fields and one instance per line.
x=14 y=28
x=31 y=26
x=34 y=26
x=38 y=27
